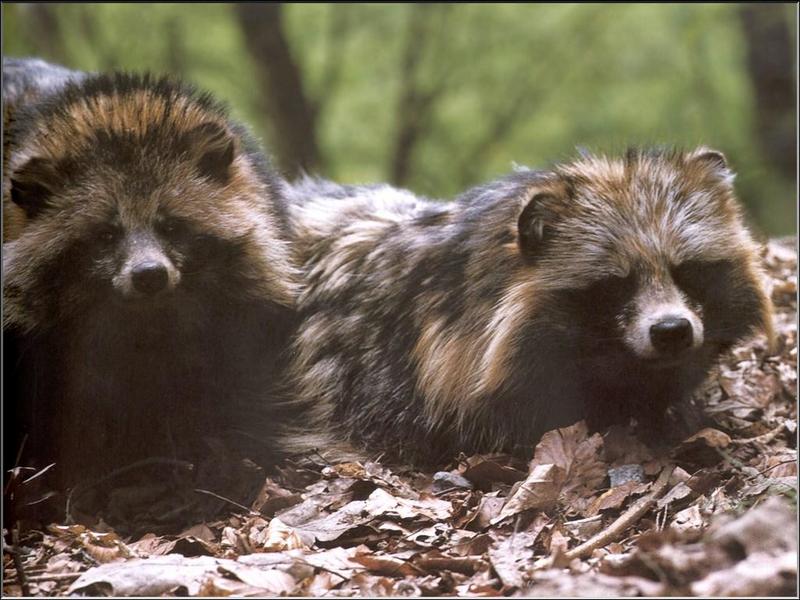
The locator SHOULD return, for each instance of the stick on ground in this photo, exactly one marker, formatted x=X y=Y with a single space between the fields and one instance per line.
x=625 y=520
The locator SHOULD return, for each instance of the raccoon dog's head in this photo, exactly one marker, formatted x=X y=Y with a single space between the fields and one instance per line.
x=139 y=193
x=645 y=257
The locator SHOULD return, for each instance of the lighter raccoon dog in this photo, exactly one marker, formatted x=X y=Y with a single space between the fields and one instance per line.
x=604 y=288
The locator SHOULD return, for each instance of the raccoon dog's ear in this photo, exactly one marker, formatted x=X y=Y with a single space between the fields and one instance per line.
x=214 y=148
x=33 y=184
x=534 y=225
x=713 y=161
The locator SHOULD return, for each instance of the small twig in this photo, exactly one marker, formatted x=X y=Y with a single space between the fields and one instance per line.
x=168 y=516
x=21 y=576
x=48 y=577
x=764 y=438
x=19 y=451
x=38 y=473
x=625 y=520
x=452 y=488
x=228 y=500
x=783 y=462
x=325 y=461
x=661 y=518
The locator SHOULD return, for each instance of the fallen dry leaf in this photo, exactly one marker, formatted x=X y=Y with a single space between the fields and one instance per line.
x=577 y=454
x=165 y=574
x=483 y=471
x=539 y=490
x=689 y=520
x=616 y=496
x=276 y=537
x=512 y=558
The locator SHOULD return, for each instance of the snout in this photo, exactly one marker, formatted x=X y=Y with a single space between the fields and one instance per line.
x=671 y=336
x=665 y=333
x=150 y=277
x=147 y=274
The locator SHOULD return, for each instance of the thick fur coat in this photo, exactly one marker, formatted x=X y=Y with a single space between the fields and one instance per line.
x=603 y=288
x=149 y=296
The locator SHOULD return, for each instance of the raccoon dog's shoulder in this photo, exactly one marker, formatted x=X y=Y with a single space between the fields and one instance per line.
x=604 y=287
x=25 y=79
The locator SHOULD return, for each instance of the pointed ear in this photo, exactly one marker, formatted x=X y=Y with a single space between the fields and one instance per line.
x=214 y=148
x=535 y=222
x=33 y=185
x=712 y=161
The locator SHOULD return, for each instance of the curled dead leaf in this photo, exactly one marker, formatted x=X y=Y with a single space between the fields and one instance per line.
x=276 y=537
x=483 y=471
x=578 y=455
x=616 y=496
x=539 y=490
x=702 y=447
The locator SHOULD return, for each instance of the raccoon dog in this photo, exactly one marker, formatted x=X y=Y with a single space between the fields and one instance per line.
x=149 y=295
x=600 y=289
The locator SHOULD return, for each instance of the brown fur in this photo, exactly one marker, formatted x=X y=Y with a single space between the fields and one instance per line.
x=432 y=328
x=112 y=172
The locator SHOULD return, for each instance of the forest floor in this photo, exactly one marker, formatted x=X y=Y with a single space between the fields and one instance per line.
x=591 y=515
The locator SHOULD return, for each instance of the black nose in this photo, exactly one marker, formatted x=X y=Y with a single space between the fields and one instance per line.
x=149 y=277
x=672 y=335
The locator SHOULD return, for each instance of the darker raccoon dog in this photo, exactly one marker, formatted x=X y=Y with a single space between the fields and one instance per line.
x=600 y=289
x=149 y=295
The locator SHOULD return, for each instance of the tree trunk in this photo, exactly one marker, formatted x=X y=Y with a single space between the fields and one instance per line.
x=289 y=111
x=176 y=48
x=46 y=30
x=416 y=101
x=770 y=63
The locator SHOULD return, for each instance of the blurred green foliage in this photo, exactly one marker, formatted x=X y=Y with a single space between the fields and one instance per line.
x=515 y=83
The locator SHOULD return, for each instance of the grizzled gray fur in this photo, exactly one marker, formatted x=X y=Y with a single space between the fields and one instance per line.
x=603 y=289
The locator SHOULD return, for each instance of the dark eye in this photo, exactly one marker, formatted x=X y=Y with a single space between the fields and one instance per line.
x=108 y=234
x=601 y=301
x=172 y=227
x=698 y=278
x=612 y=288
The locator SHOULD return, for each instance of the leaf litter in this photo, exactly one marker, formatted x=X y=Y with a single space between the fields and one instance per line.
x=592 y=514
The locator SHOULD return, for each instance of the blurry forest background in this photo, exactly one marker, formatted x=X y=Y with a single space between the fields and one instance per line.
x=438 y=97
